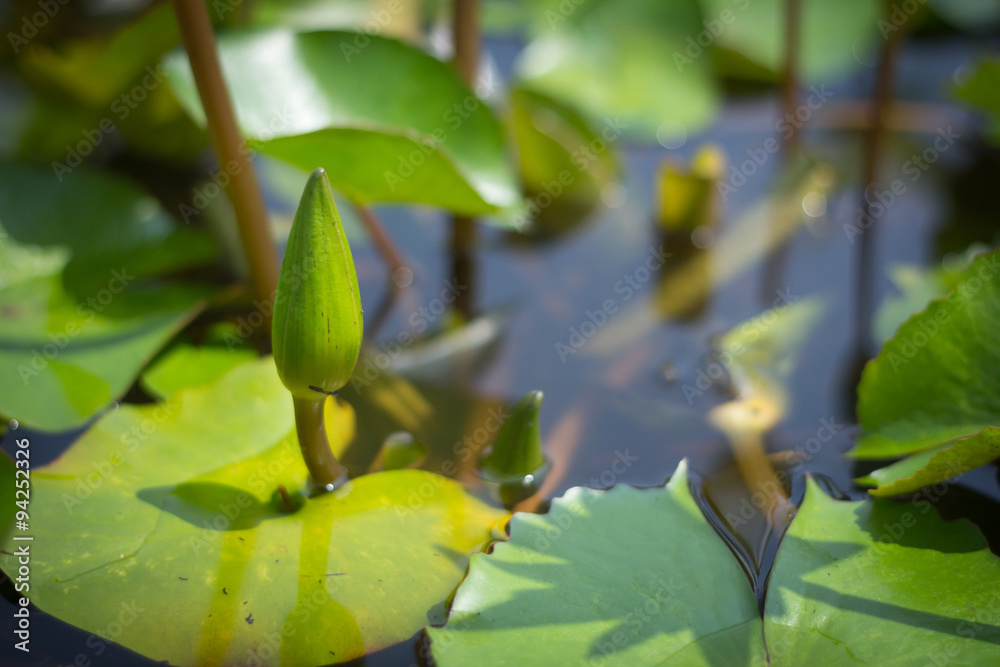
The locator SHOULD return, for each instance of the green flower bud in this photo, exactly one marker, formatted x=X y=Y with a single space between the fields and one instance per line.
x=317 y=324
x=516 y=461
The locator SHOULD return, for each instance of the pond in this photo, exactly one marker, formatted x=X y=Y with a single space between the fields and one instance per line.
x=619 y=324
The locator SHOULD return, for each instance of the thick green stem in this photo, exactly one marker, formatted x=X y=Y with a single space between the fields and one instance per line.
x=243 y=190
x=324 y=469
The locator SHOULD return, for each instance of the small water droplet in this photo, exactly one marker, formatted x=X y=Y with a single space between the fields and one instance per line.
x=403 y=276
x=613 y=195
x=114 y=405
x=814 y=204
x=13 y=424
x=671 y=134
x=668 y=372
x=703 y=237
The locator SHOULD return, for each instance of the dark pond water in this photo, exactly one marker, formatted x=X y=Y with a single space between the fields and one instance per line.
x=616 y=410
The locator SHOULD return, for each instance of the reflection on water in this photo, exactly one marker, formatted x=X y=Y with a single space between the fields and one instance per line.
x=615 y=324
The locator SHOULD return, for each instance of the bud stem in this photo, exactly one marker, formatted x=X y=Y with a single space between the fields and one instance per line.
x=324 y=469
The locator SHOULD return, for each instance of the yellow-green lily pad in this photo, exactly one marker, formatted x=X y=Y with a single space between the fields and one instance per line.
x=163 y=528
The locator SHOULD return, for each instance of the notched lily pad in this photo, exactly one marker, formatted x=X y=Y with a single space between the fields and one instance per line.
x=638 y=576
x=620 y=577
x=171 y=514
x=878 y=582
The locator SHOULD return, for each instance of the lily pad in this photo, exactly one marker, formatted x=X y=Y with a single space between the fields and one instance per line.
x=415 y=133
x=936 y=464
x=877 y=582
x=935 y=381
x=184 y=366
x=833 y=35
x=81 y=316
x=564 y=162
x=162 y=528
x=623 y=62
x=982 y=88
x=620 y=577
x=873 y=582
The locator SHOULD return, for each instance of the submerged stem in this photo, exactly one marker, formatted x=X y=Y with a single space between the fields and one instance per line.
x=324 y=469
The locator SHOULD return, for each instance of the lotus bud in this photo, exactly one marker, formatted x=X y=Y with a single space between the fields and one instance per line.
x=516 y=460
x=317 y=324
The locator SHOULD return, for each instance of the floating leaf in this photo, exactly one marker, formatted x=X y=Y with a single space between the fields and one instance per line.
x=80 y=321
x=184 y=366
x=638 y=576
x=91 y=91
x=832 y=35
x=878 y=582
x=619 y=577
x=169 y=513
x=936 y=464
x=935 y=380
x=982 y=89
x=917 y=286
x=603 y=59
x=103 y=221
x=564 y=162
x=414 y=133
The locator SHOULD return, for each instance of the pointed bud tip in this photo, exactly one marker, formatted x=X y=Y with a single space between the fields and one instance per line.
x=317 y=325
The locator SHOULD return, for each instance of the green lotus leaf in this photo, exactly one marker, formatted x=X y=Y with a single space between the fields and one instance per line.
x=833 y=35
x=982 y=88
x=414 y=133
x=552 y=143
x=617 y=62
x=183 y=366
x=637 y=576
x=164 y=529
x=620 y=577
x=936 y=380
x=936 y=464
x=82 y=310
x=878 y=582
